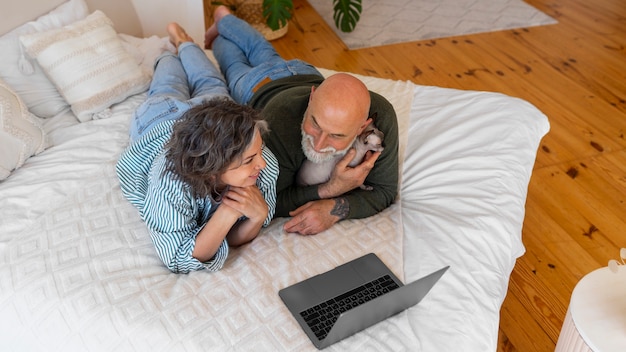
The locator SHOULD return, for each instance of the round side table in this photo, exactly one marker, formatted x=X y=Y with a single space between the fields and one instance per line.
x=596 y=317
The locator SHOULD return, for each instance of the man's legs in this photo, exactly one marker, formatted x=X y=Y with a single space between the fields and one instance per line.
x=246 y=58
x=250 y=42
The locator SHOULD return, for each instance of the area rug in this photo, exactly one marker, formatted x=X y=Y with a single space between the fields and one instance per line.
x=395 y=21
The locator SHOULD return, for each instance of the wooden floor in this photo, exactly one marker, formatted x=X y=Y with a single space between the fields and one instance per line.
x=573 y=71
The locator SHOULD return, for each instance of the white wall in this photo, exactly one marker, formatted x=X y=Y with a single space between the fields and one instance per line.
x=154 y=16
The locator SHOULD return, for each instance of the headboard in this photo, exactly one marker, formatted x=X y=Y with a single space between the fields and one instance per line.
x=121 y=12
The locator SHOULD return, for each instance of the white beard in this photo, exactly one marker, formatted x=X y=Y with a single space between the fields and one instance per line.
x=323 y=155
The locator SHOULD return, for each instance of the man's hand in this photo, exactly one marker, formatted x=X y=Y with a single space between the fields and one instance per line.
x=317 y=216
x=345 y=178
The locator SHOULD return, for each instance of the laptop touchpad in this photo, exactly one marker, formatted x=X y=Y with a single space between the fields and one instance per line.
x=335 y=282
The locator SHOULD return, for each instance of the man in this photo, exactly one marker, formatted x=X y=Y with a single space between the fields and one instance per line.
x=331 y=112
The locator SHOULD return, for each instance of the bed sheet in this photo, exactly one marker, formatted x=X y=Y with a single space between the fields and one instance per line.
x=469 y=160
x=78 y=270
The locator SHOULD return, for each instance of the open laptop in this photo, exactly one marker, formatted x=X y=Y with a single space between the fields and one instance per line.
x=351 y=297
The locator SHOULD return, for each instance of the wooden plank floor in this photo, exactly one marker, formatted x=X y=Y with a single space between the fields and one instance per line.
x=573 y=71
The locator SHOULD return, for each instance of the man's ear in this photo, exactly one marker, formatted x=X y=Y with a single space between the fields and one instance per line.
x=368 y=122
x=365 y=124
x=311 y=95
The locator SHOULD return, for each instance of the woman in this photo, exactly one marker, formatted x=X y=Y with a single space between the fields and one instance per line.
x=196 y=167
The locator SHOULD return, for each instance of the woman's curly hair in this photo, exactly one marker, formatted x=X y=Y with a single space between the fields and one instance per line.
x=207 y=139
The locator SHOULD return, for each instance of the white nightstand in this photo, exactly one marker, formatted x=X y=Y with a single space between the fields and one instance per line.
x=596 y=317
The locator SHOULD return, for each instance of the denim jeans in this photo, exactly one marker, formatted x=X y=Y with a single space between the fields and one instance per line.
x=179 y=83
x=246 y=58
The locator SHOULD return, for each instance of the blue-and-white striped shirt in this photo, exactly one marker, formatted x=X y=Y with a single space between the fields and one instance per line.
x=173 y=216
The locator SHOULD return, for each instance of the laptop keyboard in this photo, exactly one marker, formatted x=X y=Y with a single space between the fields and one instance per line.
x=323 y=316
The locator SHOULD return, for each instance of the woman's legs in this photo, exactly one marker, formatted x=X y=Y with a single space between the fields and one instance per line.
x=167 y=89
x=204 y=79
x=169 y=78
x=178 y=82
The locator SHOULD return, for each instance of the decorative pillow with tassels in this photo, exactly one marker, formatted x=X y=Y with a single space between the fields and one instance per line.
x=21 y=135
x=88 y=64
x=23 y=74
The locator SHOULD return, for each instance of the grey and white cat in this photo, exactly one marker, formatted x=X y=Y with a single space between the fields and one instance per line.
x=311 y=173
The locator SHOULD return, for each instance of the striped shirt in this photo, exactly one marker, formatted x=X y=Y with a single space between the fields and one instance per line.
x=172 y=214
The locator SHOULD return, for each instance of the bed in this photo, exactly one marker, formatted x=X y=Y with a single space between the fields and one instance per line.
x=78 y=271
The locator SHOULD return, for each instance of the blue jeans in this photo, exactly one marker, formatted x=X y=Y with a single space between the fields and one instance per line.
x=246 y=58
x=179 y=83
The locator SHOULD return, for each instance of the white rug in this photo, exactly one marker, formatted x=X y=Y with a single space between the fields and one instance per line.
x=394 y=21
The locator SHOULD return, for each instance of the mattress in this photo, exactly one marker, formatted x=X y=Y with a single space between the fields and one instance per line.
x=78 y=271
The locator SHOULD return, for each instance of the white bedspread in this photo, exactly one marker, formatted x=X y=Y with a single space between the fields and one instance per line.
x=78 y=271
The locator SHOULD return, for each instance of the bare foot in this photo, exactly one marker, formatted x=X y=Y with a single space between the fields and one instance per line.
x=177 y=34
x=212 y=32
x=210 y=36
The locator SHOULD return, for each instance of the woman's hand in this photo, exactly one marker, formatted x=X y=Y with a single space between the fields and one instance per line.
x=248 y=201
x=237 y=202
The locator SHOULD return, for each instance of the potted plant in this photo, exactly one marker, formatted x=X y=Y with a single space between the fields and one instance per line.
x=275 y=14
x=346 y=13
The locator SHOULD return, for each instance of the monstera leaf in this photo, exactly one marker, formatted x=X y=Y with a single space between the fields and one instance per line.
x=346 y=14
x=277 y=12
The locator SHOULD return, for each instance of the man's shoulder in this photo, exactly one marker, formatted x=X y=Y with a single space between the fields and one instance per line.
x=383 y=114
x=286 y=108
x=379 y=102
x=290 y=87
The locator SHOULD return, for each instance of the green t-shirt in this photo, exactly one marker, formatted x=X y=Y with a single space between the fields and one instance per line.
x=283 y=103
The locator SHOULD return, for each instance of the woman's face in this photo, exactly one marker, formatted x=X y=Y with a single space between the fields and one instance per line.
x=245 y=172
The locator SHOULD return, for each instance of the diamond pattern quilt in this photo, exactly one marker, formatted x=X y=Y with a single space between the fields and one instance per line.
x=78 y=271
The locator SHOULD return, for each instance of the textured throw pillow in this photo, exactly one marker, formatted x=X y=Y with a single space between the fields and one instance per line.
x=24 y=76
x=21 y=135
x=88 y=64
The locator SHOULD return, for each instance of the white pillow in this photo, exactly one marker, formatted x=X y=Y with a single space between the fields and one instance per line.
x=29 y=81
x=88 y=64
x=21 y=135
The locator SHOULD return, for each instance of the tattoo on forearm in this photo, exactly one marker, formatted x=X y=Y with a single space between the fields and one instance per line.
x=341 y=208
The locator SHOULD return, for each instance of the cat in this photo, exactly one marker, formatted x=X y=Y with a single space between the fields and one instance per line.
x=311 y=173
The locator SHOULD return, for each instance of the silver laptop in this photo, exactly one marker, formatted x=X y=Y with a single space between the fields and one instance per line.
x=351 y=297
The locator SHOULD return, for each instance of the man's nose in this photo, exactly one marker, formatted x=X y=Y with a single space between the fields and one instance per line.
x=319 y=142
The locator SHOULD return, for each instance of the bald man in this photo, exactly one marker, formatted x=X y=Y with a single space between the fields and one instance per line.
x=310 y=118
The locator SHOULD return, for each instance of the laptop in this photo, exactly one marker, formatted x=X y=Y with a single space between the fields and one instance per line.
x=351 y=297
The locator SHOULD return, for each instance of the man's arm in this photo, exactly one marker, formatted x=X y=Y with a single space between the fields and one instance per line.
x=319 y=215
x=316 y=216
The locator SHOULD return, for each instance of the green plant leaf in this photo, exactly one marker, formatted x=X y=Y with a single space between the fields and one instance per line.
x=277 y=12
x=346 y=14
